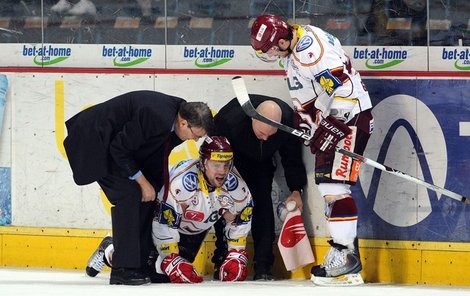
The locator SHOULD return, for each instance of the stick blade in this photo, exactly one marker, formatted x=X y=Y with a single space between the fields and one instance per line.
x=241 y=92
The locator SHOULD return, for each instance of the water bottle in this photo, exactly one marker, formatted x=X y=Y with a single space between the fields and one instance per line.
x=283 y=209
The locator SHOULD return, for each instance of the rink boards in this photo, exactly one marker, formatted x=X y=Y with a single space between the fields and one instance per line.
x=408 y=234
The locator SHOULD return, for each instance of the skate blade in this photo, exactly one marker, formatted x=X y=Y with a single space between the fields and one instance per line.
x=353 y=279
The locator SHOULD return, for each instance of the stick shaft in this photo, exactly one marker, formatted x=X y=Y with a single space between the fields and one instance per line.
x=244 y=100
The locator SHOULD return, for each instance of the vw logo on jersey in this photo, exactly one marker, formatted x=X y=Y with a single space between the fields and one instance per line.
x=305 y=42
x=232 y=182
x=190 y=181
x=416 y=147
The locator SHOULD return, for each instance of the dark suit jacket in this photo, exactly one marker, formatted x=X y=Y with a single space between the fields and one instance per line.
x=122 y=136
x=232 y=122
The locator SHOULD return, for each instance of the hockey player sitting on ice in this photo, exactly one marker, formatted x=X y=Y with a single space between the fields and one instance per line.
x=199 y=192
x=333 y=105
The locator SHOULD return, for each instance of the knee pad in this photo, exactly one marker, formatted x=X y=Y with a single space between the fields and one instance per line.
x=340 y=208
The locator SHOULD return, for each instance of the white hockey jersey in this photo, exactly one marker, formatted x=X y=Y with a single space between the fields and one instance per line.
x=189 y=208
x=321 y=79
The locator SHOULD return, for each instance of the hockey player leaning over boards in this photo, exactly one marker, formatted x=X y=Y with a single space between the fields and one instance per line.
x=199 y=192
x=333 y=105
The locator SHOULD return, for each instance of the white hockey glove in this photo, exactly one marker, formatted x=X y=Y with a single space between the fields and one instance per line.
x=180 y=270
x=234 y=266
x=329 y=132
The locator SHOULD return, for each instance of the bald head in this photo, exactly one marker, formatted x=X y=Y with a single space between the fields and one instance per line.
x=271 y=110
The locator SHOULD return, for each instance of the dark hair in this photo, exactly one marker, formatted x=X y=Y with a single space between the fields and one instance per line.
x=198 y=115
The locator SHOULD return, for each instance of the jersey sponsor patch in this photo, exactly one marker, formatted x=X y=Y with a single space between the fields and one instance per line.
x=328 y=81
x=193 y=215
x=189 y=181
x=304 y=43
x=232 y=182
x=344 y=168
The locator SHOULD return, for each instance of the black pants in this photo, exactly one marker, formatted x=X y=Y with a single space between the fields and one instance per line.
x=131 y=221
x=259 y=178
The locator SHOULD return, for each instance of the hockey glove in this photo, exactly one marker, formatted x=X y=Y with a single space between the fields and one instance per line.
x=329 y=132
x=234 y=266
x=180 y=270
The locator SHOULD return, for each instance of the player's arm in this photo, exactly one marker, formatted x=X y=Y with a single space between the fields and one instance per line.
x=234 y=267
x=333 y=77
x=166 y=238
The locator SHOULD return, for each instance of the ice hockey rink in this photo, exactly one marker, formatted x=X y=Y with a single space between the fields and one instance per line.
x=71 y=283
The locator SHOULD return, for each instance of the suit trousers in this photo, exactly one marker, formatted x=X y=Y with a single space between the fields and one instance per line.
x=131 y=221
x=259 y=178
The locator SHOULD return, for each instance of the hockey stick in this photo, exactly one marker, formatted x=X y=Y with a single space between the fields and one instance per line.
x=243 y=98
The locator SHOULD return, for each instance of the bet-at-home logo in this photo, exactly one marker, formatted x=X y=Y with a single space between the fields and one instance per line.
x=460 y=56
x=380 y=58
x=127 y=56
x=47 y=55
x=209 y=57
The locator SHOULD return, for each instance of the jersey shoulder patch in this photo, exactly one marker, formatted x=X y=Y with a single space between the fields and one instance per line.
x=304 y=43
x=231 y=183
x=184 y=175
x=189 y=181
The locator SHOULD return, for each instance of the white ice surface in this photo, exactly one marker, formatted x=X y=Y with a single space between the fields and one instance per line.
x=76 y=283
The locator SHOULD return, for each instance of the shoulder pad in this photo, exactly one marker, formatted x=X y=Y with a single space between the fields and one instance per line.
x=184 y=180
x=236 y=187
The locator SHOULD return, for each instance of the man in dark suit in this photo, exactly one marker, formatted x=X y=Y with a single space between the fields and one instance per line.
x=254 y=144
x=123 y=144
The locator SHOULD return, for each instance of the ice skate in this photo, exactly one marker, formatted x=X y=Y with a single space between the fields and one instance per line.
x=341 y=268
x=97 y=260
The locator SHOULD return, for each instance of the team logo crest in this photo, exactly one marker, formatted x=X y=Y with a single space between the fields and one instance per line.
x=245 y=215
x=327 y=81
x=304 y=43
x=232 y=182
x=190 y=181
x=169 y=217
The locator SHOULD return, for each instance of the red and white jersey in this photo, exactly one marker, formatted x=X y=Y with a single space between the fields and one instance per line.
x=189 y=207
x=321 y=78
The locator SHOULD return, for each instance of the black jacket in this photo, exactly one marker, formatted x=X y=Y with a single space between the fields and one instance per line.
x=123 y=135
x=232 y=122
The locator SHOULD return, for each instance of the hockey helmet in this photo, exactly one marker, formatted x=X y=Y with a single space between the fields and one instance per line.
x=216 y=148
x=266 y=31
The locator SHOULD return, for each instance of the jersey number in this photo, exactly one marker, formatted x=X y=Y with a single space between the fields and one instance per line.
x=294 y=86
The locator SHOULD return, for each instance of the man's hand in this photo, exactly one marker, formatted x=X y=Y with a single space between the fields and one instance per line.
x=180 y=270
x=148 y=192
x=297 y=197
x=234 y=266
x=329 y=132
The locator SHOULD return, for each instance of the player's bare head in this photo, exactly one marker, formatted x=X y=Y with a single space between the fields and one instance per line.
x=271 y=110
x=216 y=159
